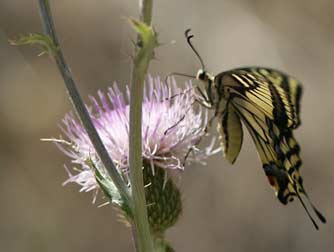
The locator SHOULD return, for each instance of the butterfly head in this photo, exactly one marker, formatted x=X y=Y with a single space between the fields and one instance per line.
x=203 y=75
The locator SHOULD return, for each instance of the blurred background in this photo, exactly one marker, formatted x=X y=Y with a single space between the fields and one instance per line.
x=227 y=208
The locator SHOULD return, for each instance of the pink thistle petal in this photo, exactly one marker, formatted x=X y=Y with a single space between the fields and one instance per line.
x=170 y=128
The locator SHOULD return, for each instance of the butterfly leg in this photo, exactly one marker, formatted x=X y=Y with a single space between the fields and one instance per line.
x=204 y=101
x=193 y=148
x=209 y=124
x=175 y=124
x=182 y=118
x=207 y=127
x=178 y=94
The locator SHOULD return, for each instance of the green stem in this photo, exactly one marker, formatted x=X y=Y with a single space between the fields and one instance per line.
x=145 y=8
x=144 y=241
x=48 y=27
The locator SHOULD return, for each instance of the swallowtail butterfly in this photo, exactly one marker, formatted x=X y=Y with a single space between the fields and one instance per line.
x=267 y=103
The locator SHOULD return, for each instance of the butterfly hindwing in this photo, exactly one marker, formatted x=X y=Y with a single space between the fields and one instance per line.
x=273 y=151
x=230 y=133
x=281 y=164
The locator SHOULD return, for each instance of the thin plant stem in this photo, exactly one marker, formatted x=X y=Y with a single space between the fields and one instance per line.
x=144 y=241
x=78 y=104
x=145 y=10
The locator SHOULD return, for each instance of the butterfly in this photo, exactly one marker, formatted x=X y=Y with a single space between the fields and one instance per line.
x=267 y=103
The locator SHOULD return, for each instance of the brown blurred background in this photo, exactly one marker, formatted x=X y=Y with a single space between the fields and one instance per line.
x=226 y=208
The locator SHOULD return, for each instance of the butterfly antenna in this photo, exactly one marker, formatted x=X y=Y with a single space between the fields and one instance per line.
x=189 y=37
x=179 y=74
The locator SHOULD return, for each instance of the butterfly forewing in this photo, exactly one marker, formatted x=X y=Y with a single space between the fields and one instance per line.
x=274 y=93
x=286 y=92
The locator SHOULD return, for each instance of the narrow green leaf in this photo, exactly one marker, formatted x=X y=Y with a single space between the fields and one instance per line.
x=146 y=33
x=36 y=39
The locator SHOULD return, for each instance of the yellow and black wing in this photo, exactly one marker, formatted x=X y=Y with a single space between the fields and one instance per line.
x=230 y=133
x=267 y=102
x=274 y=93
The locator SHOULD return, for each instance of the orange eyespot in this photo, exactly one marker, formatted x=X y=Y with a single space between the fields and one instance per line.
x=272 y=180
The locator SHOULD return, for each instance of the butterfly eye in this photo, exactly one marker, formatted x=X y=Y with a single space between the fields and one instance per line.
x=202 y=76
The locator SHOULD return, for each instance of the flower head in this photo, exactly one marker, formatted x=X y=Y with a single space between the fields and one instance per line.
x=170 y=129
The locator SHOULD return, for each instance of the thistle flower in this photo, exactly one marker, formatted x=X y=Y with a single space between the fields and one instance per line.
x=170 y=129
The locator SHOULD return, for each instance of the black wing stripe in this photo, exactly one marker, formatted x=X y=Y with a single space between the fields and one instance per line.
x=280 y=117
